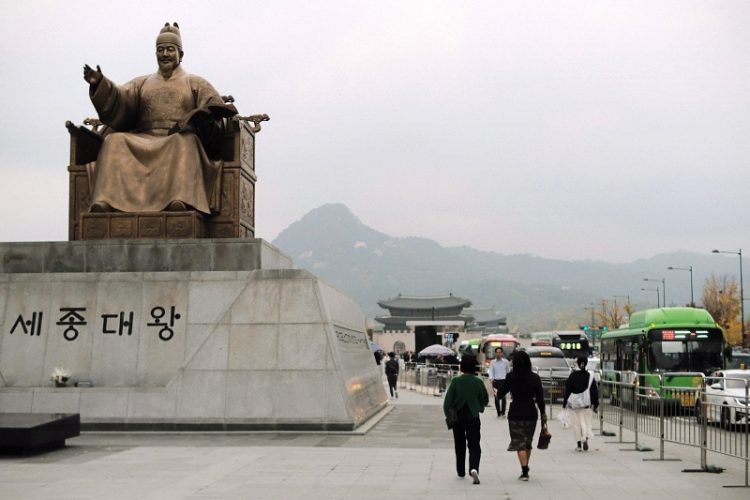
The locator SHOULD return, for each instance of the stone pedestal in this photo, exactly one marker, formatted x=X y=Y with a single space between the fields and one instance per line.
x=152 y=225
x=226 y=337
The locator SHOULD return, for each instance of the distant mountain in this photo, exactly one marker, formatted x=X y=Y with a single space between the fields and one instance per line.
x=535 y=293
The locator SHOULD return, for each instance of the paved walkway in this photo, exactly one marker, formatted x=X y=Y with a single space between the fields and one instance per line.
x=407 y=455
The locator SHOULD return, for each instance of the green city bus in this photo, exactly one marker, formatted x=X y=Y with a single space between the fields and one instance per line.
x=666 y=340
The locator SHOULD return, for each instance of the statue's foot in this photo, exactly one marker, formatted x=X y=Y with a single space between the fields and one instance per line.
x=177 y=206
x=101 y=207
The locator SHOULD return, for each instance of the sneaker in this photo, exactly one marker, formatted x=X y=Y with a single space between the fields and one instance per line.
x=474 y=474
x=578 y=446
x=524 y=476
x=461 y=474
x=396 y=394
x=586 y=445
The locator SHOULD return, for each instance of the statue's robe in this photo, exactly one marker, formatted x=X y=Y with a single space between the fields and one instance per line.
x=141 y=167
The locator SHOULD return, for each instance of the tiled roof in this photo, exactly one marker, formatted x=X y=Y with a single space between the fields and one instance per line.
x=401 y=320
x=414 y=302
x=485 y=314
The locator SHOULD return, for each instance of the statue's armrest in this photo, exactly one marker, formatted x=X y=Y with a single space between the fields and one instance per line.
x=84 y=144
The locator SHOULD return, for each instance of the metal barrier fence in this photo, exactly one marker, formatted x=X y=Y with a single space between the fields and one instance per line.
x=430 y=379
x=553 y=383
x=680 y=408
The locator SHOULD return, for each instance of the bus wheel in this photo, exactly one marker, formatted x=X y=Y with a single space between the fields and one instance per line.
x=726 y=423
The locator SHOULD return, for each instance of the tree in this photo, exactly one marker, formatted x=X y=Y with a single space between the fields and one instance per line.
x=610 y=315
x=721 y=298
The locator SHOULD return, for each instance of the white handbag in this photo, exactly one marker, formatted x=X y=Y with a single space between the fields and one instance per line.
x=564 y=418
x=582 y=399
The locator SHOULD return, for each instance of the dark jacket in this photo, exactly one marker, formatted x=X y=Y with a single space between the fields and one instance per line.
x=391 y=367
x=527 y=395
x=577 y=383
x=466 y=390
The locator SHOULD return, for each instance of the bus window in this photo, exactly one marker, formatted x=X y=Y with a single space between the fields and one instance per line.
x=685 y=356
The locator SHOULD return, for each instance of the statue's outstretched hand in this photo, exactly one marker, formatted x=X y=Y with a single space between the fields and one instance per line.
x=93 y=76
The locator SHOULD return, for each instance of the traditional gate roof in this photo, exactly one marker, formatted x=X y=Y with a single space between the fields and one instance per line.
x=426 y=303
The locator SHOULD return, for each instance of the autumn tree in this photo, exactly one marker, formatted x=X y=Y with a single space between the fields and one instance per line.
x=721 y=298
x=610 y=315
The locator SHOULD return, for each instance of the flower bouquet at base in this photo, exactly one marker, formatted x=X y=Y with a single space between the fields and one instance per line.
x=60 y=376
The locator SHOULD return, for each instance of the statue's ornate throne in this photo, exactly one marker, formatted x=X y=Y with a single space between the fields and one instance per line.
x=236 y=215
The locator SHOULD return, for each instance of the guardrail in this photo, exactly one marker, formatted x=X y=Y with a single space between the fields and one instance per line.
x=553 y=383
x=679 y=408
x=430 y=379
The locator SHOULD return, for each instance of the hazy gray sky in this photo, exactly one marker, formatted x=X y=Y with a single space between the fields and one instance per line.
x=608 y=130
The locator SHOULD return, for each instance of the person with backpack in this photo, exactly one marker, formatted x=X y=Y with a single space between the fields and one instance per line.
x=581 y=397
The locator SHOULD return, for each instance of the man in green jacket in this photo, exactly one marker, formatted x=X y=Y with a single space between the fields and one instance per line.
x=467 y=397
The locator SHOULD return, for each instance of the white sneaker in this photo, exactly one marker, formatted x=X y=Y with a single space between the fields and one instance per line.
x=474 y=474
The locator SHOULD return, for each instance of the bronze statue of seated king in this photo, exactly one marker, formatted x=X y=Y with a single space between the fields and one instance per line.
x=167 y=141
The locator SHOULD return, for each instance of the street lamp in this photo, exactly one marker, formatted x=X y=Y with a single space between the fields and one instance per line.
x=592 y=308
x=663 y=282
x=690 y=268
x=653 y=290
x=623 y=297
x=742 y=295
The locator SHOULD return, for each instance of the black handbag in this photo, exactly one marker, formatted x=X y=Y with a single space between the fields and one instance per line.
x=544 y=438
x=452 y=418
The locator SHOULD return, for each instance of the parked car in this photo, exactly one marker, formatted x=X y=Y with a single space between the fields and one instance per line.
x=726 y=401
x=552 y=367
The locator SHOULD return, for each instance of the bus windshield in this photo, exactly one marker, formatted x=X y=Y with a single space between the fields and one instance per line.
x=508 y=346
x=686 y=350
x=572 y=348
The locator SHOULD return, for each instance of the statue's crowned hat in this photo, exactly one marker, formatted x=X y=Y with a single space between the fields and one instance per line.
x=170 y=33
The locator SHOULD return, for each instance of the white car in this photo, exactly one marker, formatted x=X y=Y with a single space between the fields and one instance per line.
x=726 y=397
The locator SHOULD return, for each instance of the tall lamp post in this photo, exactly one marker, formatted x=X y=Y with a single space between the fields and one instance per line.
x=653 y=290
x=663 y=282
x=742 y=295
x=591 y=308
x=690 y=268
x=627 y=297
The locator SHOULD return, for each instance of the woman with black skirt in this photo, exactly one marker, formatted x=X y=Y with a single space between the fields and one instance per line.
x=526 y=388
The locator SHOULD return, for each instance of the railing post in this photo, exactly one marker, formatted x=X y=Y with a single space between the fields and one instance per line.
x=620 y=384
x=636 y=405
x=704 y=426
x=661 y=417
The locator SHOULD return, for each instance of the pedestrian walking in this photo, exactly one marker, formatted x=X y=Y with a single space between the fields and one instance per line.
x=581 y=398
x=497 y=372
x=526 y=388
x=391 y=373
x=464 y=401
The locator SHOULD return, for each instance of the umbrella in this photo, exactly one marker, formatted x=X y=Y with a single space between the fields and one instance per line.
x=374 y=346
x=436 y=350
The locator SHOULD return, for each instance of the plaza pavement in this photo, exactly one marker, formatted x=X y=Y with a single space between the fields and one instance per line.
x=407 y=454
